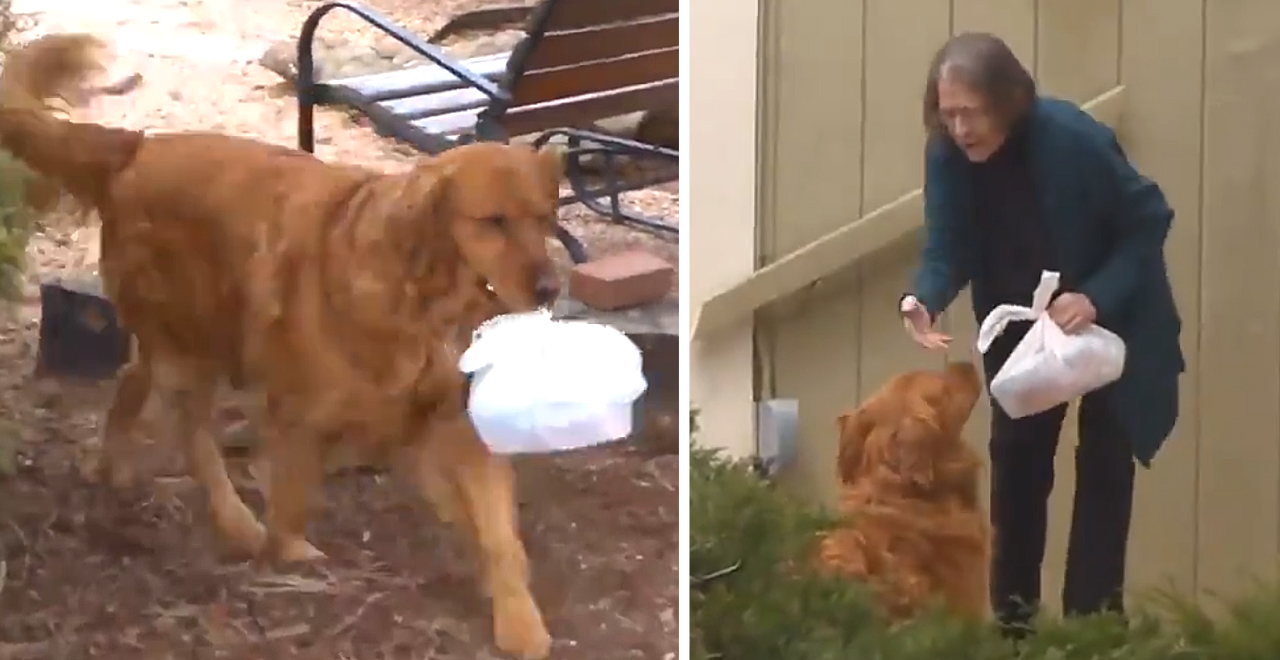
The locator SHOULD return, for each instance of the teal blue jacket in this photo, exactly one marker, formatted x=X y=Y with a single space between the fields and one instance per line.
x=1108 y=226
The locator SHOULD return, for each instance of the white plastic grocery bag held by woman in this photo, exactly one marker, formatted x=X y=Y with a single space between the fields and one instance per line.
x=1049 y=367
x=540 y=385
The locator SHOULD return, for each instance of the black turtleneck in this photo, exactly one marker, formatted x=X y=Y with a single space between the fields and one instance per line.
x=1011 y=239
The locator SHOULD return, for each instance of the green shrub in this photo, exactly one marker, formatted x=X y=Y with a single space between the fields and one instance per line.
x=756 y=596
x=17 y=219
x=17 y=223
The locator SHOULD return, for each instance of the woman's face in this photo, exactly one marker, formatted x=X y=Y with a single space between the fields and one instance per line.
x=968 y=120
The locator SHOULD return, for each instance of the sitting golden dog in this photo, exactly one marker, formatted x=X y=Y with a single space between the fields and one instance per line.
x=345 y=295
x=915 y=532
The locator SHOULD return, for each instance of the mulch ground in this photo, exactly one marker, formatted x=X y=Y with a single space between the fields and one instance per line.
x=86 y=572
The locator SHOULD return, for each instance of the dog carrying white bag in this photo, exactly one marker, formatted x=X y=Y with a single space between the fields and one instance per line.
x=541 y=385
x=1049 y=367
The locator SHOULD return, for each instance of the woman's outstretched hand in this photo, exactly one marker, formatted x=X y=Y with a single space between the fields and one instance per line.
x=919 y=326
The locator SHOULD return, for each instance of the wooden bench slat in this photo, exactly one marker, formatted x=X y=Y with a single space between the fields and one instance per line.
x=418 y=80
x=578 y=112
x=607 y=75
x=452 y=124
x=583 y=111
x=557 y=49
x=439 y=103
x=577 y=14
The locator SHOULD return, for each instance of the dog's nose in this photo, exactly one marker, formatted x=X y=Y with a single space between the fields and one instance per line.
x=547 y=289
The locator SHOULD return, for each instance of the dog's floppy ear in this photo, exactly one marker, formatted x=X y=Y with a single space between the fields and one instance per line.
x=431 y=182
x=424 y=192
x=854 y=428
x=915 y=449
x=393 y=209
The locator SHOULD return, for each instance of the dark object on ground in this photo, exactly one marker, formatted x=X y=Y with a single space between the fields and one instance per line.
x=660 y=127
x=657 y=412
x=580 y=61
x=80 y=336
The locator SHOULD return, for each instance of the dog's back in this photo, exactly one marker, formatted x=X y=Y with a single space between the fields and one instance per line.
x=181 y=223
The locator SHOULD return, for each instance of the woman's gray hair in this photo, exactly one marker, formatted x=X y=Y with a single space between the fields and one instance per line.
x=985 y=63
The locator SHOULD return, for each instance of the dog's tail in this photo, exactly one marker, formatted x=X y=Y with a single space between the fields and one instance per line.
x=80 y=158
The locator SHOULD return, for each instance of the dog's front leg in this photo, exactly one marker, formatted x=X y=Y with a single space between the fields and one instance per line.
x=485 y=490
x=296 y=460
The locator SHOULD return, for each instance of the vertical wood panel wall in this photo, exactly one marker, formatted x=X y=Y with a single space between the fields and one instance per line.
x=840 y=135
x=722 y=98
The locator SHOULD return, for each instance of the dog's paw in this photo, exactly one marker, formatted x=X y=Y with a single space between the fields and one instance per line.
x=293 y=551
x=97 y=467
x=518 y=628
x=244 y=540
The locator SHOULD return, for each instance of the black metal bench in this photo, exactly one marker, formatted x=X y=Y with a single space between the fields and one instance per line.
x=580 y=61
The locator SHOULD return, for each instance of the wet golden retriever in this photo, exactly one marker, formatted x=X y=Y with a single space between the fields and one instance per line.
x=345 y=295
x=916 y=532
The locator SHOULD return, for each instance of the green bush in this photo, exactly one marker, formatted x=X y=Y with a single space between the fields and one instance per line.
x=17 y=223
x=17 y=219
x=756 y=596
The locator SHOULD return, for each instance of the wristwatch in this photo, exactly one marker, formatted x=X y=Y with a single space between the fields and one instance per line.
x=906 y=303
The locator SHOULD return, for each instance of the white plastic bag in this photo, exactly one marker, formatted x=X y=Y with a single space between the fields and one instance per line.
x=1049 y=367
x=540 y=385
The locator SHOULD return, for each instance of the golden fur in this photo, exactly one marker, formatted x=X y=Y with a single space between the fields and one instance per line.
x=344 y=294
x=916 y=532
x=61 y=75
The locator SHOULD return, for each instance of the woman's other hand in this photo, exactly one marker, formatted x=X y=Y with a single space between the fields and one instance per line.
x=1073 y=312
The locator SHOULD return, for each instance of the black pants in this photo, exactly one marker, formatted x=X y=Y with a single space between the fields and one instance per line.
x=1022 y=454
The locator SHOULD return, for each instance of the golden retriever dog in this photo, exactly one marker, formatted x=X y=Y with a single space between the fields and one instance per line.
x=345 y=295
x=915 y=530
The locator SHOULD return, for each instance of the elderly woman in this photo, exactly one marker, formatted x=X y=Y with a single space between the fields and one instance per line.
x=1017 y=183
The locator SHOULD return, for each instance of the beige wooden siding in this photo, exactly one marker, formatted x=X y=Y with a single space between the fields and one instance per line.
x=840 y=136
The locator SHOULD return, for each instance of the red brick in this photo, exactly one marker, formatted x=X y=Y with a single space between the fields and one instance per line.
x=625 y=279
